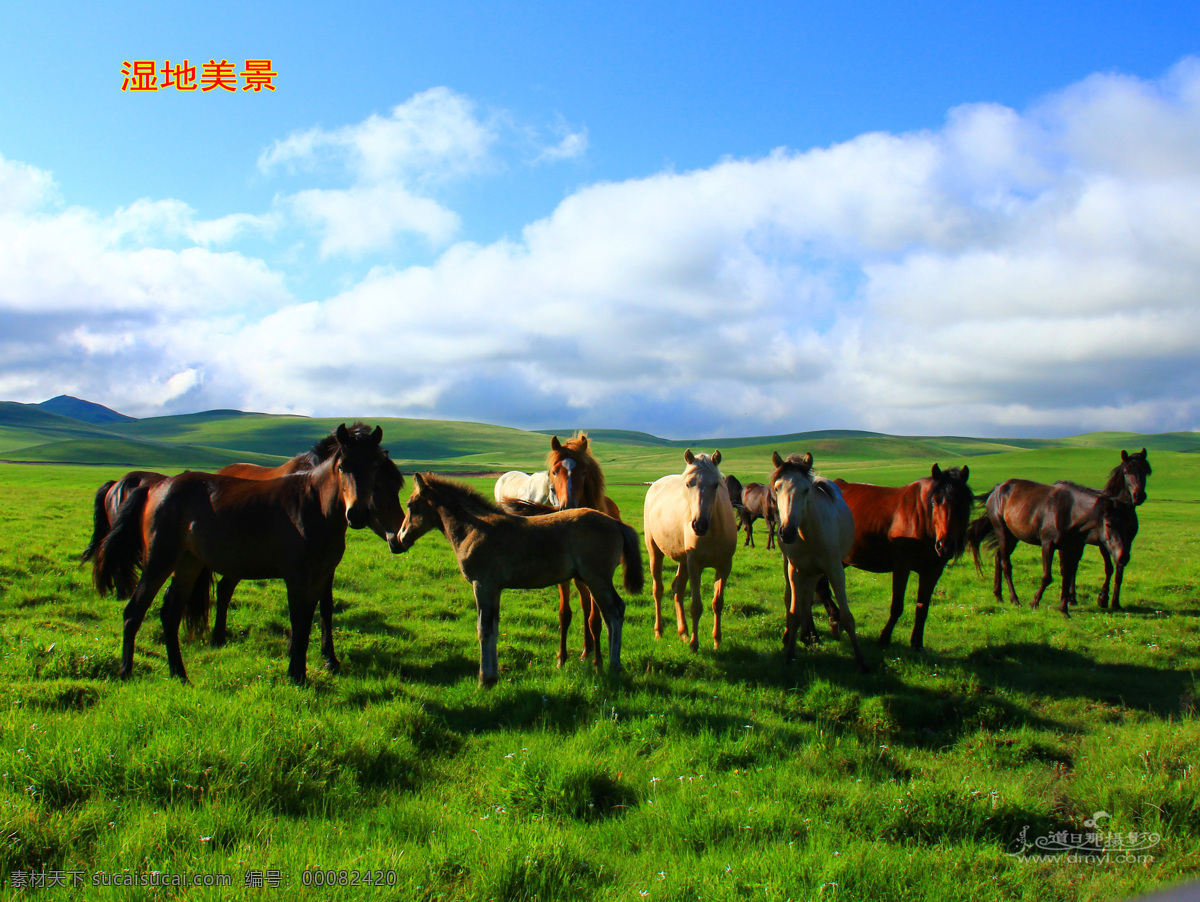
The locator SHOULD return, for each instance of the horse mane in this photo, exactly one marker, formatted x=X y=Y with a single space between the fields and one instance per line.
x=463 y=497
x=578 y=450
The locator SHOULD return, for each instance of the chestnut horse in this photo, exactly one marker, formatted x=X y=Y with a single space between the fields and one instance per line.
x=1058 y=517
x=918 y=528
x=816 y=532
x=385 y=517
x=758 y=502
x=689 y=518
x=497 y=550
x=291 y=528
x=579 y=483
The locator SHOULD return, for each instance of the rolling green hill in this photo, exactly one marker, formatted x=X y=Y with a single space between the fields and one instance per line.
x=208 y=440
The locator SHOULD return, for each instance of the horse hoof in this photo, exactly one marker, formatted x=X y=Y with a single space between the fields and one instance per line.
x=694 y=645
x=333 y=666
x=487 y=682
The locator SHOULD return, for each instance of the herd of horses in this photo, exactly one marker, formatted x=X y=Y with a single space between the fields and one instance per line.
x=560 y=528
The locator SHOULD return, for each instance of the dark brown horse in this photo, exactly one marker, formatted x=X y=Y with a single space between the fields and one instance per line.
x=918 y=528
x=1126 y=482
x=107 y=502
x=291 y=528
x=735 y=491
x=497 y=550
x=385 y=517
x=758 y=502
x=1059 y=517
x=579 y=483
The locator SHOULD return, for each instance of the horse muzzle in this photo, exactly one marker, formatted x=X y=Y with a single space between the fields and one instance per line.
x=788 y=534
x=395 y=543
x=357 y=516
x=700 y=525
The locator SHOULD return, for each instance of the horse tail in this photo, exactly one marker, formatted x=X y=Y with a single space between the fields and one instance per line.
x=195 y=612
x=100 y=524
x=631 y=557
x=116 y=561
x=980 y=530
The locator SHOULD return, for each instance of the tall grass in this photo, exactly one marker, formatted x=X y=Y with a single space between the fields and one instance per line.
x=716 y=775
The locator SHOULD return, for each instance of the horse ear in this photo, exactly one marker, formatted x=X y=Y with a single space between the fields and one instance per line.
x=776 y=459
x=1124 y=456
x=555 y=444
x=418 y=482
x=1143 y=454
x=343 y=435
x=966 y=473
x=807 y=460
x=716 y=458
x=377 y=435
x=583 y=442
x=688 y=457
x=936 y=472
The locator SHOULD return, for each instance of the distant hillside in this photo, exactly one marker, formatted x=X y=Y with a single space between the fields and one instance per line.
x=86 y=411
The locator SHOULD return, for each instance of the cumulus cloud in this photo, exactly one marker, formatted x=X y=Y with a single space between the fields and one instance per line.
x=1010 y=272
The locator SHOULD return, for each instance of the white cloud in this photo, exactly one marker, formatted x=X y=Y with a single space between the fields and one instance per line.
x=1009 y=272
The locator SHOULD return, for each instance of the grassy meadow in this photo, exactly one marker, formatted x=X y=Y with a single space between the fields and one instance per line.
x=717 y=775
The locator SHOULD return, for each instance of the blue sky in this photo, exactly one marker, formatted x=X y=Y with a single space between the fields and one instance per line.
x=693 y=219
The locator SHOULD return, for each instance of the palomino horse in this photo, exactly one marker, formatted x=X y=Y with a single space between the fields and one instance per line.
x=535 y=488
x=758 y=502
x=689 y=518
x=385 y=517
x=816 y=533
x=1126 y=482
x=920 y=527
x=498 y=551
x=291 y=528
x=1058 y=517
x=578 y=482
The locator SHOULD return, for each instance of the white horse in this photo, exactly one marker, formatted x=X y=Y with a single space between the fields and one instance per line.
x=536 y=488
x=690 y=519
x=816 y=532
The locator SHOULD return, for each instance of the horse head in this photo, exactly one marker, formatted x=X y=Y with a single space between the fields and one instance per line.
x=701 y=481
x=386 y=512
x=1128 y=479
x=574 y=473
x=422 y=513
x=355 y=464
x=792 y=483
x=950 y=500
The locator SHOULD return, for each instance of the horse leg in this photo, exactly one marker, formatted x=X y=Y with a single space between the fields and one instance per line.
x=678 y=587
x=1047 y=572
x=926 y=582
x=564 y=620
x=656 y=586
x=693 y=575
x=171 y=612
x=837 y=581
x=749 y=532
x=899 y=585
x=161 y=557
x=332 y=664
x=1068 y=563
x=611 y=609
x=1102 y=598
x=770 y=533
x=791 y=617
x=302 y=604
x=825 y=596
x=487 y=607
x=1004 y=552
x=591 y=623
x=225 y=587
x=718 y=606
x=1116 y=599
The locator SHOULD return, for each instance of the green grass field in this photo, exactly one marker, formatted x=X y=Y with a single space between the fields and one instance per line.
x=718 y=775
